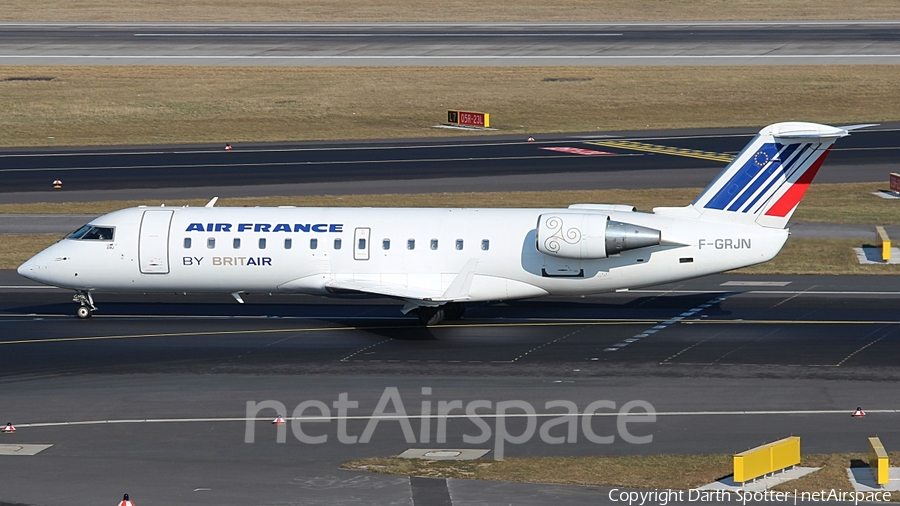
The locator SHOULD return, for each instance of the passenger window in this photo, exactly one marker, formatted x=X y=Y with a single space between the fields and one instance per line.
x=485 y=244
x=386 y=244
x=262 y=243
x=236 y=243
x=313 y=243
x=337 y=244
x=434 y=244
x=411 y=244
x=361 y=244
x=288 y=243
x=187 y=243
x=459 y=244
x=211 y=243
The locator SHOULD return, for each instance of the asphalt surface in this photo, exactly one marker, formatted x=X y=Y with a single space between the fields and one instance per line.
x=487 y=163
x=572 y=44
x=160 y=384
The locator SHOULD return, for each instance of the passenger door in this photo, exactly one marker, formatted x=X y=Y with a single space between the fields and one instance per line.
x=153 y=242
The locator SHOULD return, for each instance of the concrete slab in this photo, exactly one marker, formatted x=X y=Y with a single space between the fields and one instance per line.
x=761 y=484
x=873 y=256
x=887 y=194
x=443 y=454
x=863 y=480
x=22 y=449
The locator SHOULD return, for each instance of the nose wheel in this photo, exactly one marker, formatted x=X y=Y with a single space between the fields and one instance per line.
x=86 y=306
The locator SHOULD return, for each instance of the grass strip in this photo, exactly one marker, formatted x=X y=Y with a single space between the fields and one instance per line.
x=805 y=255
x=16 y=248
x=679 y=472
x=137 y=105
x=848 y=203
x=799 y=256
x=448 y=10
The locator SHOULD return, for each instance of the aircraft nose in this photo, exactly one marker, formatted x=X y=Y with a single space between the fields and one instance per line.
x=26 y=269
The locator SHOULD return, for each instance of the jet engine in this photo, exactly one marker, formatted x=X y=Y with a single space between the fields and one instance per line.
x=588 y=236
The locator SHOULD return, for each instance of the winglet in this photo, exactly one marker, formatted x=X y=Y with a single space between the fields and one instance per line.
x=212 y=202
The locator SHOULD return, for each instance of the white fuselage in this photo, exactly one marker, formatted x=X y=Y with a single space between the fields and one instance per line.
x=149 y=252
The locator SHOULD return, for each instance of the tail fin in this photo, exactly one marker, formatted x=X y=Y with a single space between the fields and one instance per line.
x=765 y=182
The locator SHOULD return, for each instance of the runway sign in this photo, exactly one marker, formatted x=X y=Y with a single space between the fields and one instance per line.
x=467 y=118
x=766 y=459
x=895 y=182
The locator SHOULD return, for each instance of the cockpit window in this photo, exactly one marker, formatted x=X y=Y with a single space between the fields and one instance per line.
x=93 y=233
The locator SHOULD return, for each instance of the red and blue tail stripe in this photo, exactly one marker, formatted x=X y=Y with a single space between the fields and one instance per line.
x=766 y=181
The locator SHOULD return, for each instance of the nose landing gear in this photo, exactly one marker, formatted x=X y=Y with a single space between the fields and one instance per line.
x=86 y=306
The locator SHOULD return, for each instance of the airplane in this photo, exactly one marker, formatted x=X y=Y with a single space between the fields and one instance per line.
x=437 y=260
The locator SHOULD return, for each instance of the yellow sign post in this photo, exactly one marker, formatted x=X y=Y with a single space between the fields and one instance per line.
x=878 y=461
x=885 y=243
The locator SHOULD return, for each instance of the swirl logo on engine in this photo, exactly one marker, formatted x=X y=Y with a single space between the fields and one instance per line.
x=570 y=236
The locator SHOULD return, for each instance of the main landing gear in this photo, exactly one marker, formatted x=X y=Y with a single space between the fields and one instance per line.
x=86 y=306
x=435 y=315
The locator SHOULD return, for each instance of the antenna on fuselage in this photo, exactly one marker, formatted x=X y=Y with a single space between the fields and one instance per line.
x=212 y=202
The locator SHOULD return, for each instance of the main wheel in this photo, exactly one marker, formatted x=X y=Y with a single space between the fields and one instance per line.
x=84 y=312
x=431 y=315
x=454 y=310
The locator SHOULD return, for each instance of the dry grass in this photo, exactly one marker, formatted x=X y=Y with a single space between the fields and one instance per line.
x=679 y=472
x=151 y=105
x=824 y=203
x=833 y=474
x=663 y=471
x=851 y=203
x=803 y=255
x=644 y=199
x=15 y=249
x=452 y=10
x=848 y=203
x=799 y=256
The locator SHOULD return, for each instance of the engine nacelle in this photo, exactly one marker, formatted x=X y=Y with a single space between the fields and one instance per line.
x=590 y=236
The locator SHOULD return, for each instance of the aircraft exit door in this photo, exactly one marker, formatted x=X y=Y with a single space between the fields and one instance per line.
x=361 y=243
x=153 y=243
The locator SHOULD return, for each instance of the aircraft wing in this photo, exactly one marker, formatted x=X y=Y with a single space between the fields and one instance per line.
x=457 y=291
x=386 y=289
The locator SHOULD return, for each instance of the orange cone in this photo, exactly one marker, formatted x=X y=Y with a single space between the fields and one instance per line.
x=530 y=139
x=126 y=501
x=228 y=147
x=57 y=184
x=8 y=429
x=278 y=421
x=859 y=413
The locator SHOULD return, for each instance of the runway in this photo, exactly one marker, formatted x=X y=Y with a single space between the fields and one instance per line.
x=158 y=385
x=389 y=44
x=678 y=158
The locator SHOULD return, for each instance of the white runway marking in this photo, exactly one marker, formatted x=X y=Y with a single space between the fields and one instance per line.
x=756 y=283
x=844 y=412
